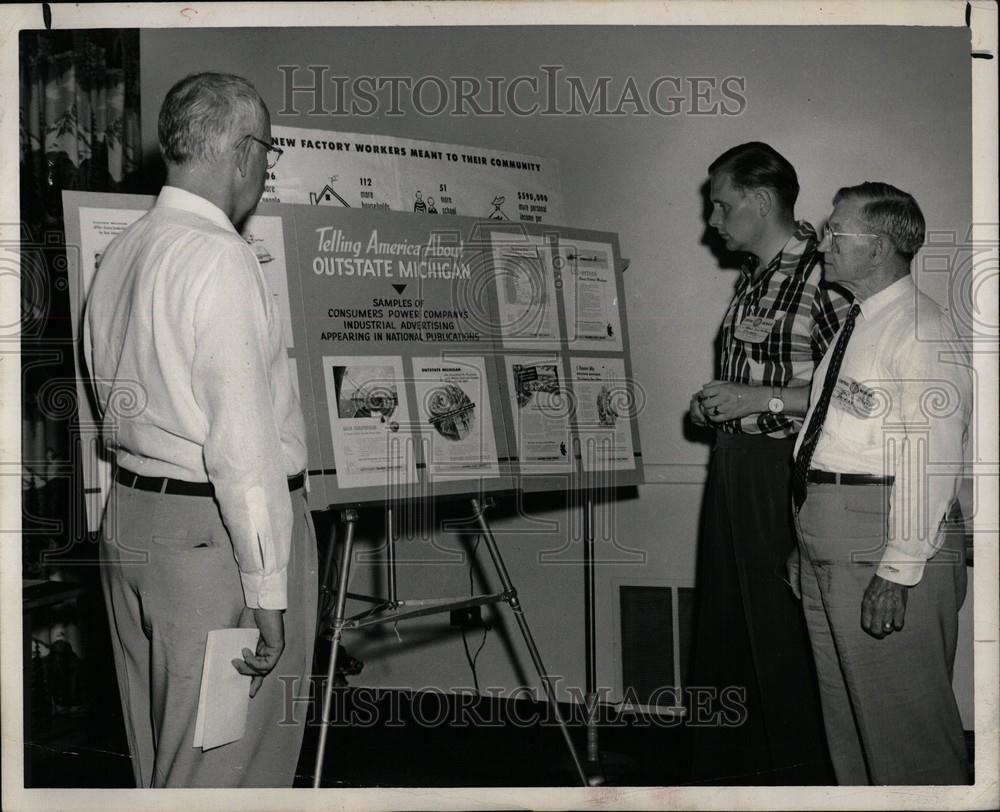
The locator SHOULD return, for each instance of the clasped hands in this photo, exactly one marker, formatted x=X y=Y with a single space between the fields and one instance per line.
x=724 y=400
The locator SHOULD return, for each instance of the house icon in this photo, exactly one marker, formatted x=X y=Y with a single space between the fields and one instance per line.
x=326 y=197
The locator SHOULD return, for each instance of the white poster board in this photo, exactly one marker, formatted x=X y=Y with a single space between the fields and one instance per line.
x=361 y=171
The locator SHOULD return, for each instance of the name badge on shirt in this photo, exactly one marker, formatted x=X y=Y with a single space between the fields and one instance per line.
x=854 y=398
x=754 y=329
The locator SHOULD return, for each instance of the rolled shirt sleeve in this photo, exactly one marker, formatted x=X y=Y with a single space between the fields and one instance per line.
x=242 y=453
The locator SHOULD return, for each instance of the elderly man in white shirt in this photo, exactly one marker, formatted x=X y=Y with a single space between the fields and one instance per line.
x=207 y=525
x=877 y=467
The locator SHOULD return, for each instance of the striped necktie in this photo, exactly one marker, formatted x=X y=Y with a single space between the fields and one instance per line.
x=815 y=427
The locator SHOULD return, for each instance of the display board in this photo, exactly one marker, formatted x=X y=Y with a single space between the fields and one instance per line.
x=92 y=221
x=364 y=171
x=435 y=356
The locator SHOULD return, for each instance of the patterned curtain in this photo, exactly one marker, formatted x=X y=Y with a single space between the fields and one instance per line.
x=79 y=116
x=79 y=130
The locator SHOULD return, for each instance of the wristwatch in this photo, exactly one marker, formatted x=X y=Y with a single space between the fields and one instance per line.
x=776 y=405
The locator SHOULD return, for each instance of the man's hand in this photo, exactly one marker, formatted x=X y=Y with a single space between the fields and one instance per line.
x=883 y=607
x=793 y=566
x=697 y=415
x=724 y=400
x=271 y=623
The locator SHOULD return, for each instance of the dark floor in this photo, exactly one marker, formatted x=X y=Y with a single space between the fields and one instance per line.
x=462 y=741
x=376 y=738
x=446 y=740
x=393 y=739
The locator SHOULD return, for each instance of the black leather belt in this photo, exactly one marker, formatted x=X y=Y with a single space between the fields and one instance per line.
x=179 y=487
x=830 y=478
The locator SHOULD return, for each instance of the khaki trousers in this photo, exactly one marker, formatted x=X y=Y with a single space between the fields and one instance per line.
x=169 y=578
x=888 y=706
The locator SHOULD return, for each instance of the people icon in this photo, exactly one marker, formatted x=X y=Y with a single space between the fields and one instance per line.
x=419 y=205
x=497 y=213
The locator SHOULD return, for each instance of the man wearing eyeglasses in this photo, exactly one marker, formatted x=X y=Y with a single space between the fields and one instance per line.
x=877 y=467
x=750 y=636
x=206 y=525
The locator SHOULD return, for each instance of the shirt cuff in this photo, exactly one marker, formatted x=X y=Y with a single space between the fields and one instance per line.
x=266 y=591
x=901 y=568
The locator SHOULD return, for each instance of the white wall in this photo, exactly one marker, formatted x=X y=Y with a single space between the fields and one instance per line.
x=843 y=104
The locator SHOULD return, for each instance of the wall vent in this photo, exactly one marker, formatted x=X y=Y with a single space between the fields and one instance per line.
x=656 y=636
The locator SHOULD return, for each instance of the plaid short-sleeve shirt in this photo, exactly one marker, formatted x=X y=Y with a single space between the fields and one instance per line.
x=799 y=316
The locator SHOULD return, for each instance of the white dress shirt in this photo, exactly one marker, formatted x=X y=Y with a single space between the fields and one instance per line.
x=901 y=408
x=187 y=355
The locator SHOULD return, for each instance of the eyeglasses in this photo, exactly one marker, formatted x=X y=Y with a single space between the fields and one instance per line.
x=278 y=151
x=831 y=235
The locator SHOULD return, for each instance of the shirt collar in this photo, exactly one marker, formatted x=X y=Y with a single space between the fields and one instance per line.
x=176 y=198
x=803 y=238
x=873 y=305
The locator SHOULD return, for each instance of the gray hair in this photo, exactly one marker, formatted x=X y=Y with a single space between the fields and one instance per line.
x=205 y=114
x=889 y=211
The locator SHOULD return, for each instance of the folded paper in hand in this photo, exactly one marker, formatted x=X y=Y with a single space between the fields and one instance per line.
x=225 y=692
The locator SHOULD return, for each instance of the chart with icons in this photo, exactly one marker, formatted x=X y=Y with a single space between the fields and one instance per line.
x=386 y=173
x=433 y=357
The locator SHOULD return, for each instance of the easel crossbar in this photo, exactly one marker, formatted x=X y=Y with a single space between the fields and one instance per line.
x=427 y=606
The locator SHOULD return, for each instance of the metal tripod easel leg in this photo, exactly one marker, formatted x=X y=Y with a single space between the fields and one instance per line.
x=350 y=518
x=394 y=610
x=522 y=623
x=590 y=623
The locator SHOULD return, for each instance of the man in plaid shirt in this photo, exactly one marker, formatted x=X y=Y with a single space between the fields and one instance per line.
x=750 y=635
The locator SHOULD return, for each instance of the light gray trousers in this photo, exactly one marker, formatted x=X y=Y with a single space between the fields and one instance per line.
x=169 y=578
x=888 y=706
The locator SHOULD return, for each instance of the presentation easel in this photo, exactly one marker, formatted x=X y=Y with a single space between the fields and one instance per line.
x=394 y=609
x=529 y=319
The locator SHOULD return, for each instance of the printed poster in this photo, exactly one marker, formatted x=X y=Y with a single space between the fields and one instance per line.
x=590 y=295
x=98 y=227
x=363 y=171
x=526 y=292
x=604 y=405
x=456 y=417
x=369 y=421
x=264 y=234
x=540 y=404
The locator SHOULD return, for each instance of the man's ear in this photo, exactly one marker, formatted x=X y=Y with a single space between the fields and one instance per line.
x=882 y=249
x=242 y=157
x=763 y=199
